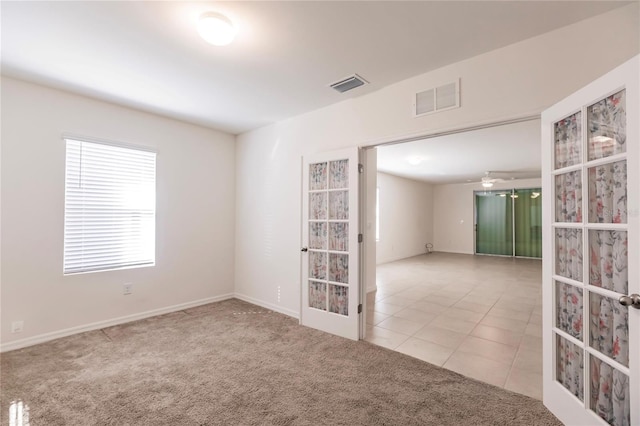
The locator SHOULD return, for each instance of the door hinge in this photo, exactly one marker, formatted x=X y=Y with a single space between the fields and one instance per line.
x=360 y=168
x=360 y=308
x=359 y=238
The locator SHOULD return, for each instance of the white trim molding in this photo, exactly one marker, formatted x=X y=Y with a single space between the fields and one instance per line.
x=41 y=338
x=268 y=305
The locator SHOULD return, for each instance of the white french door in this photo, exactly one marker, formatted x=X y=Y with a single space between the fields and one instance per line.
x=591 y=252
x=330 y=247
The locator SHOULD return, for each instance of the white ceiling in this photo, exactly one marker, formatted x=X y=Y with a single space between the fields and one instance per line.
x=509 y=151
x=147 y=55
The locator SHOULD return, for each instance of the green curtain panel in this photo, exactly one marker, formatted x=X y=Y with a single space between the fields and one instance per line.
x=494 y=224
x=528 y=222
x=507 y=217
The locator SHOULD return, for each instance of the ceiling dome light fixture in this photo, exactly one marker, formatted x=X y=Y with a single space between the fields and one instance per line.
x=216 y=29
x=487 y=184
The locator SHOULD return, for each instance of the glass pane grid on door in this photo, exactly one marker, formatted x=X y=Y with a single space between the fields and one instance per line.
x=328 y=237
x=590 y=271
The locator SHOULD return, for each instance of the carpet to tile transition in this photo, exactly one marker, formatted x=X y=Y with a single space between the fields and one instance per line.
x=233 y=363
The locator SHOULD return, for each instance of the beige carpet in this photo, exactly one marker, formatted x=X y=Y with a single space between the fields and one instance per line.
x=233 y=363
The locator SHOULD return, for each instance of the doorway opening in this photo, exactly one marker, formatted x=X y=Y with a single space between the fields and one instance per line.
x=450 y=307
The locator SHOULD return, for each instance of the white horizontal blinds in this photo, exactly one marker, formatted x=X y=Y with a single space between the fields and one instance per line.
x=109 y=219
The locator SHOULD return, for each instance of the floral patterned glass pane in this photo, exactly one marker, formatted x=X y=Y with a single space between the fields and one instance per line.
x=569 y=253
x=570 y=366
x=339 y=174
x=608 y=261
x=318 y=235
x=339 y=205
x=608 y=193
x=607 y=126
x=318 y=295
x=318 y=265
x=318 y=176
x=339 y=268
x=339 y=299
x=609 y=393
x=567 y=141
x=569 y=197
x=569 y=309
x=339 y=236
x=318 y=205
x=609 y=328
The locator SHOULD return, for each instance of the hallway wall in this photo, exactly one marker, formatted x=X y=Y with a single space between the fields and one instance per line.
x=406 y=217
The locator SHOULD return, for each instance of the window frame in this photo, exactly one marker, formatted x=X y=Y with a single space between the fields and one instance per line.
x=121 y=195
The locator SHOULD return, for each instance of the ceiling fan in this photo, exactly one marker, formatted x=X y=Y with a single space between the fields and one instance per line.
x=487 y=181
x=489 y=178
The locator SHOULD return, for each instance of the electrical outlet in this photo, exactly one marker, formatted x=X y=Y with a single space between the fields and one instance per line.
x=278 y=294
x=17 y=326
x=127 y=288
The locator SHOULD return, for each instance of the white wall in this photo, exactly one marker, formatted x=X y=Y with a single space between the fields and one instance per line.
x=406 y=217
x=453 y=213
x=520 y=79
x=194 y=226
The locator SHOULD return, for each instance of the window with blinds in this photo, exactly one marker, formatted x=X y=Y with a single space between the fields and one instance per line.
x=110 y=199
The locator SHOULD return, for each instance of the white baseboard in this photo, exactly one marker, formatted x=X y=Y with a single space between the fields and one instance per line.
x=41 y=338
x=398 y=257
x=268 y=305
x=454 y=251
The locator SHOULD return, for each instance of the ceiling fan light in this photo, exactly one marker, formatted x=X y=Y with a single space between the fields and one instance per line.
x=487 y=184
x=415 y=160
x=216 y=29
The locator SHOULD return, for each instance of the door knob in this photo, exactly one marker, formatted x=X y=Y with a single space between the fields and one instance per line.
x=304 y=250
x=630 y=300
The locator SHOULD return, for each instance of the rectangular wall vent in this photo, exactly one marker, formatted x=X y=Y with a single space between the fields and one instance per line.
x=437 y=99
x=348 y=83
x=425 y=102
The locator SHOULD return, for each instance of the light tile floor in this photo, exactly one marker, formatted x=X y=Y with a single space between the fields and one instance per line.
x=477 y=315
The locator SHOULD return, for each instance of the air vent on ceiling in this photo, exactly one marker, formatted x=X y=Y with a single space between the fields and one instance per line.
x=437 y=99
x=348 y=83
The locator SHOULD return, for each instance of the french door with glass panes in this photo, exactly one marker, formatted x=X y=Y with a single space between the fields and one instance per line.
x=330 y=248
x=591 y=253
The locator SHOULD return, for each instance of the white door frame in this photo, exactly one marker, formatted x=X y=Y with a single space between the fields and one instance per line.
x=368 y=252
